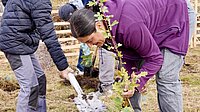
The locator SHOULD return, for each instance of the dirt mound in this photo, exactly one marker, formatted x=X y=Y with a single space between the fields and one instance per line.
x=86 y=82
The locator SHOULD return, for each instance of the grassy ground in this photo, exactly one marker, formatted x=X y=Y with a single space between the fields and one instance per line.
x=57 y=3
x=59 y=94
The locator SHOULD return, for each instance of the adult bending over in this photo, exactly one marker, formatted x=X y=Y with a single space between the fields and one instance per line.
x=152 y=33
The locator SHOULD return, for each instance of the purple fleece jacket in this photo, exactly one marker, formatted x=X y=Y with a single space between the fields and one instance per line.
x=147 y=26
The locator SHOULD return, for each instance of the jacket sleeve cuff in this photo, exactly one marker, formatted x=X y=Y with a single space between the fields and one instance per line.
x=62 y=67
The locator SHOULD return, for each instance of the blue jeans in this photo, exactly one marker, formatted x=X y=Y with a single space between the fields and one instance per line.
x=168 y=85
x=80 y=59
x=84 y=50
x=192 y=18
x=106 y=69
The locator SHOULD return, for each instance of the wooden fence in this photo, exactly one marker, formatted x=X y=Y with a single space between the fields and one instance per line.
x=196 y=35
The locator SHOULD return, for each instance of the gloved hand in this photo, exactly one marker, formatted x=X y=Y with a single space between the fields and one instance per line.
x=64 y=73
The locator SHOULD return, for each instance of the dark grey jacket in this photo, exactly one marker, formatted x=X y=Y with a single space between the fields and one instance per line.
x=24 y=23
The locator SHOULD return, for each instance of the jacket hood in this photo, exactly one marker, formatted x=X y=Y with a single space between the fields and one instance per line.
x=115 y=9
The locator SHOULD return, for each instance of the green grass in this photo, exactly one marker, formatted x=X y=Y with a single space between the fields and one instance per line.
x=191 y=79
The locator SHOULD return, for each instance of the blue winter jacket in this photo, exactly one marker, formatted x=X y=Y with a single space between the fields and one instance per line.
x=24 y=23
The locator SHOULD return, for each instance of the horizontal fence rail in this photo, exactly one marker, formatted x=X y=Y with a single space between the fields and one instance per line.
x=196 y=35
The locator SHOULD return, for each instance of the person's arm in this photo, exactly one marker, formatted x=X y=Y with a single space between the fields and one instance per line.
x=140 y=39
x=41 y=15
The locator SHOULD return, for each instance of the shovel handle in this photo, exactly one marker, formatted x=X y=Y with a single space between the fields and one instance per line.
x=75 y=84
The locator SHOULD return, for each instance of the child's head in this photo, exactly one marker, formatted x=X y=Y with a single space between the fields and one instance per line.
x=65 y=11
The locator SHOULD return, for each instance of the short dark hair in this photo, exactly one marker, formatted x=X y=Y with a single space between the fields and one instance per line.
x=82 y=23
